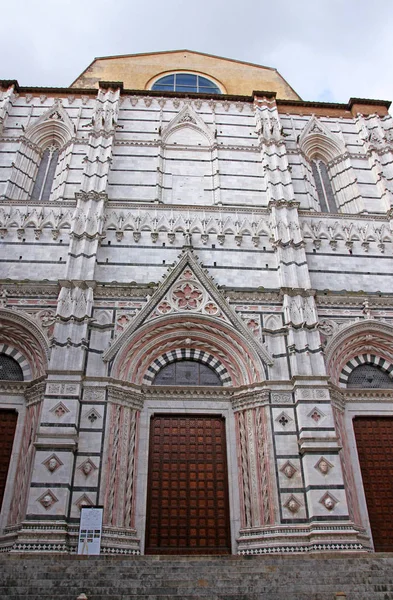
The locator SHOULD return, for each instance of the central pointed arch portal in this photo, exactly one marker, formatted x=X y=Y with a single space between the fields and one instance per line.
x=189 y=495
x=188 y=499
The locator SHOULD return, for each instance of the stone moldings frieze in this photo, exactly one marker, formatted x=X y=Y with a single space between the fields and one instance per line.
x=123 y=397
x=177 y=223
x=338 y=230
x=19 y=219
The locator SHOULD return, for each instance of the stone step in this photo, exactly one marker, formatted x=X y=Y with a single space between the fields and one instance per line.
x=317 y=577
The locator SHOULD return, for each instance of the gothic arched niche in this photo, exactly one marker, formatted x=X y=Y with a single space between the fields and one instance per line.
x=187 y=160
x=43 y=155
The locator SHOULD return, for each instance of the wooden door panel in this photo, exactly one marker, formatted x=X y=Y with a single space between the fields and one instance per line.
x=374 y=439
x=8 y=420
x=188 y=510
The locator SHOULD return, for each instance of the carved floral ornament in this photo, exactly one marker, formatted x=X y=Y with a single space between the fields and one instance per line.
x=187 y=295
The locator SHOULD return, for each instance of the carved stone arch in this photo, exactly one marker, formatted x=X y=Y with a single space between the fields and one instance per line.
x=53 y=127
x=370 y=338
x=318 y=142
x=187 y=354
x=188 y=118
x=22 y=339
x=182 y=333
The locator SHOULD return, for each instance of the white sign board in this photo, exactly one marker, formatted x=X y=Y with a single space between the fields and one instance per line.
x=90 y=530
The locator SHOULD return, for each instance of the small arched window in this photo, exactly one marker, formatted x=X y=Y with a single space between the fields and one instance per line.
x=187 y=372
x=10 y=370
x=186 y=82
x=46 y=174
x=323 y=186
x=369 y=376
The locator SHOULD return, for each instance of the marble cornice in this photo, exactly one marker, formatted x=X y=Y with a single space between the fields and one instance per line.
x=342 y=216
x=218 y=393
x=357 y=300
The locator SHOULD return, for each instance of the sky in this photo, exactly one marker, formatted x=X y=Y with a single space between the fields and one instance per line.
x=328 y=50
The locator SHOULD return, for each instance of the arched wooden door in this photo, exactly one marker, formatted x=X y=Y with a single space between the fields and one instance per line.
x=8 y=419
x=374 y=440
x=187 y=508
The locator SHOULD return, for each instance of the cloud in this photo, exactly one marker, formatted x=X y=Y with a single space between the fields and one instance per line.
x=334 y=49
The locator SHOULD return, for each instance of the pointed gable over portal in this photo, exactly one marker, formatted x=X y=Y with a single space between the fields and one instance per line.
x=188 y=317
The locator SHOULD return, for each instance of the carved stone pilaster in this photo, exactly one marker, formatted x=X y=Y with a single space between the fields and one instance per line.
x=120 y=475
x=254 y=468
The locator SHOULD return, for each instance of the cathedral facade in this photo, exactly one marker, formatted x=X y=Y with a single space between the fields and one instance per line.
x=196 y=320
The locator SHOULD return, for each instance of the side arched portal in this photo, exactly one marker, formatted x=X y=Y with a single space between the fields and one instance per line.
x=24 y=354
x=360 y=362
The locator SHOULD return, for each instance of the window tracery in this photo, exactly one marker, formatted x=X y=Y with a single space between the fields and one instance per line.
x=187 y=372
x=10 y=370
x=369 y=376
x=186 y=82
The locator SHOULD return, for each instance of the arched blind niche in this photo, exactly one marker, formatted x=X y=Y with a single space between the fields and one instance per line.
x=369 y=376
x=10 y=370
x=187 y=372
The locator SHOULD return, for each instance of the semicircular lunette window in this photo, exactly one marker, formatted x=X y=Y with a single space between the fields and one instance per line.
x=369 y=376
x=186 y=82
x=10 y=369
x=186 y=372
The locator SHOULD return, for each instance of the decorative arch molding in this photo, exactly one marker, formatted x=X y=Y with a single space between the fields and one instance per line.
x=365 y=359
x=181 y=333
x=21 y=338
x=53 y=127
x=187 y=354
x=318 y=142
x=368 y=338
x=187 y=117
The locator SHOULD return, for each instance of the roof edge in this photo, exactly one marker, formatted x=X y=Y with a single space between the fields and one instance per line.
x=6 y=83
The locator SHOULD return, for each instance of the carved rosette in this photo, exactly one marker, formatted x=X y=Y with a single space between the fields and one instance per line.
x=256 y=491
x=187 y=295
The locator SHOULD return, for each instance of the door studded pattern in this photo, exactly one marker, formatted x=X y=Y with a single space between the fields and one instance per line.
x=188 y=510
x=374 y=439
x=8 y=420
